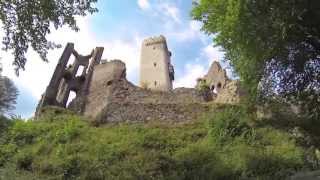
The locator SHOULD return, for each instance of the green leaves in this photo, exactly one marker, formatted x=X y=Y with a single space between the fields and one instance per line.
x=255 y=33
x=27 y=23
x=8 y=95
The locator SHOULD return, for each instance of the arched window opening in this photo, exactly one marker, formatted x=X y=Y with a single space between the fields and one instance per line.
x=155 y=64
x=80 y=71
x=155 y=83
x=219 y=86
x=71 y=61
x=72 y=96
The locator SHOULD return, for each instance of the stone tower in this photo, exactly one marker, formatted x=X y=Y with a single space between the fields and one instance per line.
x=156 y=71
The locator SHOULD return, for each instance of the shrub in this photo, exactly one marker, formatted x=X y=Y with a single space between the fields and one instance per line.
x=202 y=161
x=229 y=123
x=4 y=125
x=24 y=160
x=253 y=152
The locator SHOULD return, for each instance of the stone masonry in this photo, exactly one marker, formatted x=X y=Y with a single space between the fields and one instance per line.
x=103 y=94
x=225 y=90
x=65 y=79
x=112 y=98
x=217 y=77
x=156 y=71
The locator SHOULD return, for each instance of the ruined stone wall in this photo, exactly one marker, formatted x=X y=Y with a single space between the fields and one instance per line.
x=128 y=103
x=216 y=77
x=105 y=95
x=224 y=90
x=114 y=99
x=230 y=94
x=154 y=64
x=65 y=79
x=104 y=76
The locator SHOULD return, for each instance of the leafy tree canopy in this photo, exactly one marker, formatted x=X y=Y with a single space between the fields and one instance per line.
x=273 y=45
x=27 y=23
x=8 y=94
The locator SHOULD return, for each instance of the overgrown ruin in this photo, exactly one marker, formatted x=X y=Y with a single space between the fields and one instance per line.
x=103 y=94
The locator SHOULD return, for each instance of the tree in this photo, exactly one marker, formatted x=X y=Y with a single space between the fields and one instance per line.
x=273 y=45
x=8 y=94
x=27 y=23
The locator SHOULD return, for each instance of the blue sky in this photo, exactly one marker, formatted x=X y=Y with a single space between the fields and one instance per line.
x=120 y=26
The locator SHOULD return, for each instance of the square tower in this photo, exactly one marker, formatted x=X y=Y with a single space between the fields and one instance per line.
x=156 y=71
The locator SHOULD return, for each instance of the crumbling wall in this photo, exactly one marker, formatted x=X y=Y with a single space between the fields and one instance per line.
x=104 y=94
x=113 y=99
x=127 y=102
x=99 y=93
x=231 y=93
x=223 y=89
x=65 y=79
x=216 y=77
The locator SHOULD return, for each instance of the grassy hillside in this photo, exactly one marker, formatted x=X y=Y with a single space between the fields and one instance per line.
x=221 y=146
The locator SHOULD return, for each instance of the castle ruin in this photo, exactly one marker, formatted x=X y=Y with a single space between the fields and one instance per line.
x=156 y=70
x=65 y=78
x=103 y=93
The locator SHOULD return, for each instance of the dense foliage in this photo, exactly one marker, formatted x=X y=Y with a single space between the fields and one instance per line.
x=8 y=94
x=223 y=146
x=273 y=45
x=27 y=23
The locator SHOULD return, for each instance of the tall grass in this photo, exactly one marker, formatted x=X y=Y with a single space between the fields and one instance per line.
x=222 y=146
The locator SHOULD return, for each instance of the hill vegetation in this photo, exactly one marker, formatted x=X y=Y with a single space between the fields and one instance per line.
x=273 y=46
x=228 y=144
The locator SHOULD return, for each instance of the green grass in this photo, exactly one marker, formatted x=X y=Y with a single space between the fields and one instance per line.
x=61 y=145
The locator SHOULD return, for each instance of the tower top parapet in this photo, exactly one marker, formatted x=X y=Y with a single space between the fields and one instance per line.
x=154 y=40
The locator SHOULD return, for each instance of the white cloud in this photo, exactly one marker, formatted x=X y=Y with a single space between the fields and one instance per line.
x=128 y=52
x=144 y=4
x=191 y=73
x=212 y=53
x=171 y=11
x=192 y=32
x=164 y=10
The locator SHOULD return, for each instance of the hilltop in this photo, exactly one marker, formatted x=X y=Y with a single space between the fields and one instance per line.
x=226 y=143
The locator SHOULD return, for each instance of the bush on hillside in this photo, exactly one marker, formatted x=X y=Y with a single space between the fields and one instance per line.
x=222 y=146
x=253 y=152
x=229 y=123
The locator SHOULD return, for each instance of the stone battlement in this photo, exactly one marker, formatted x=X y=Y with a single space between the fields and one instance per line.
x=154 y=40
